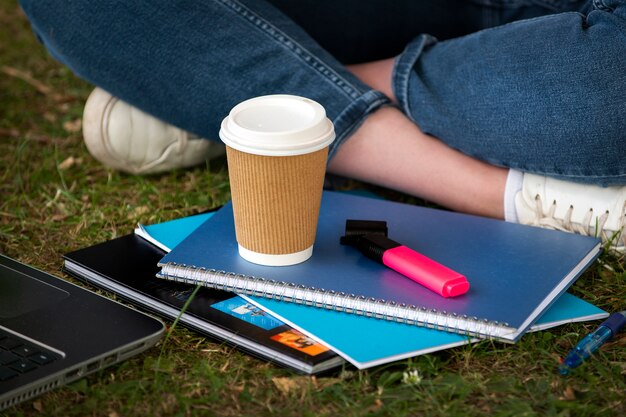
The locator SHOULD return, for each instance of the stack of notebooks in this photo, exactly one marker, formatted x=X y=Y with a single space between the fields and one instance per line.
x=340 y=305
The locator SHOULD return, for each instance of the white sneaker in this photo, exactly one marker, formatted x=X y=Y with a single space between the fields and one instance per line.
x=123 y=137
x=579 y=208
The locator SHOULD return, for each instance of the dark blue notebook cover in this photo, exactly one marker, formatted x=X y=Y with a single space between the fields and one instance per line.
x=515 y=271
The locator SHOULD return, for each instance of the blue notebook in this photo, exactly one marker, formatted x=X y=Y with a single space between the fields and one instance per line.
x=367 y=342
x=516 y=272
x=393 y=341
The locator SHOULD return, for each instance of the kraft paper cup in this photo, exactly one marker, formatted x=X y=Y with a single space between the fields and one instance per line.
x=276 y=147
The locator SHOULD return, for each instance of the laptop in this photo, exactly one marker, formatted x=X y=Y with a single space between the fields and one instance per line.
x=53 y=332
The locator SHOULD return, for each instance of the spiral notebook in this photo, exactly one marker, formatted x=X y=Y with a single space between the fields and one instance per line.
x=360 y=340
x=516 y=272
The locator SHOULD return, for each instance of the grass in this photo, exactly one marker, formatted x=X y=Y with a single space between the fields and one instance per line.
x=55 y=198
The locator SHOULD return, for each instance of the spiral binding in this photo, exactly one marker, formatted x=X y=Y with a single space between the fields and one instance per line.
x=319 y=297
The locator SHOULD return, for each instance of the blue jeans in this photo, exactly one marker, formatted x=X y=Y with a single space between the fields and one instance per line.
x=536 y=85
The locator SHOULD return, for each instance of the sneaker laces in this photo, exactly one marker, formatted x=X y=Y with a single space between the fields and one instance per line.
x=585 y=228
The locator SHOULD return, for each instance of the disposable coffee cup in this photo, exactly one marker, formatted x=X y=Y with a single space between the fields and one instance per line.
x=276 y=148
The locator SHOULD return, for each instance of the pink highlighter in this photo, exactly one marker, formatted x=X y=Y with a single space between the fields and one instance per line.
x=370 y=237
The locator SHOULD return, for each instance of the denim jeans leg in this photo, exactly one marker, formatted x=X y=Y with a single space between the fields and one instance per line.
x=543 y=95
x=189 y=62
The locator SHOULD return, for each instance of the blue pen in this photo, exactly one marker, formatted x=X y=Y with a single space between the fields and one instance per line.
x=593 y=341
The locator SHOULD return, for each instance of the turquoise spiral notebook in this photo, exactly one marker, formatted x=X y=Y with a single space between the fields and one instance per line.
x=516 y=272
x=360 y=340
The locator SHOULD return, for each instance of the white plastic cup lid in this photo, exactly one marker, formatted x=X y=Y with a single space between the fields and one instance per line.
x=277 y=125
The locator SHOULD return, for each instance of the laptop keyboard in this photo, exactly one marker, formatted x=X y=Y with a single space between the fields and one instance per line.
x=18 y=356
